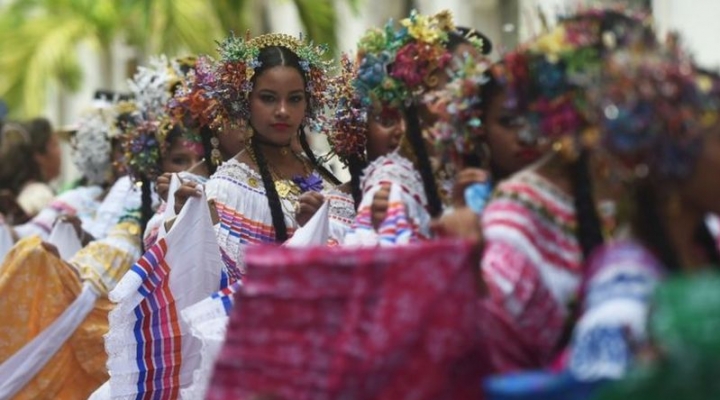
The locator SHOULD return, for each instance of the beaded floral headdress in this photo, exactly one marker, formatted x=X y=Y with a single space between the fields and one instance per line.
x=348 y=136
x=234 y=73
x=146 y=129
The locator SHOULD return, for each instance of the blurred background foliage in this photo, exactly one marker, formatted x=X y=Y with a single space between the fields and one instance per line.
x=40 y=40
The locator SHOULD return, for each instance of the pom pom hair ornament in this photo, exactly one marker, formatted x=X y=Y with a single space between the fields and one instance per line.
x=396 y=65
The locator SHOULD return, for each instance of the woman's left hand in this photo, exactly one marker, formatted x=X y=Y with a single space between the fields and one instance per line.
x=307 y=206
x=463 y=180
x=464 y=223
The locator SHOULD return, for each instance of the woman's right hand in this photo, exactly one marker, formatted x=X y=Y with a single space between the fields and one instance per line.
x=186 y=190
x=162 y=185
x=380 y=205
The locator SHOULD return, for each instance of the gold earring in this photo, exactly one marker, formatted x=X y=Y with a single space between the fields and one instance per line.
x=215 y=154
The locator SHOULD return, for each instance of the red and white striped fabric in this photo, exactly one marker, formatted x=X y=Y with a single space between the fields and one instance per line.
x=532 y=264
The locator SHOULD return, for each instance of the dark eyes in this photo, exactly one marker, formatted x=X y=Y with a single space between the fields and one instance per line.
x=268 y=98
x=180 y=160
x=512 y=121
x=387 y=119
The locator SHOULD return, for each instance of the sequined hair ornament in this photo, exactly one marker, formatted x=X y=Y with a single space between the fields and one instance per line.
x=192 y=106
x=458 y=108
x=146 y=129
x=348 y=135
x=398 y=64
x=550 y=79
x=238 y=62
x=92 y=143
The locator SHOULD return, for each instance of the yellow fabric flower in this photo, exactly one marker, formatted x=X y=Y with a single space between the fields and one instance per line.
x=421 y=28
x=553 y=44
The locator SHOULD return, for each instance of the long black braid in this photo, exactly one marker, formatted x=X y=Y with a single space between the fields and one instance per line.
x=146 y=210
x=589 y=228
x=276 y=211
x=311 y=156
x=356 y=165
x=414 y=137
x=649 y=225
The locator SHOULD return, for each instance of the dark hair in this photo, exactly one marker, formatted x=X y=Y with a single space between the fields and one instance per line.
x=269 y=57
x=461 y=34
x=356 y=165
x=414 y=138
x=18 y=165
x=146 y=210
x=589 y=229
x=649 y=226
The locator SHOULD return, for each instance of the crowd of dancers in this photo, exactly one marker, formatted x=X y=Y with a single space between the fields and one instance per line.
x=541 y=224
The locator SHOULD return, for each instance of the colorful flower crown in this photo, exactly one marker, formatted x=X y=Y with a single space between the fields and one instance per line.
x=397 y=65
x=550 y=80
x=394 y=66
x=653 y=108
x=239 y=60
x=459 y=112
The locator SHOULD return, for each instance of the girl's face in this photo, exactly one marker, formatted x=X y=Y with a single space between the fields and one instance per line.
x=278 y=104
x=503 y=128
x=232 y=140
x=385 y=129
x=181 y=155
x=51 y=160
x=701 y=190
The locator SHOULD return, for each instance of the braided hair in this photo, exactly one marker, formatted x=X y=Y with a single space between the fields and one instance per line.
x=415 y=140
x=313 y=160
x=146 y=210
x=356 y=165
x=589 y=229
x=276 y=211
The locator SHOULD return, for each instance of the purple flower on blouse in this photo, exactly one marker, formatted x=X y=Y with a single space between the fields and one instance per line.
x=311 y=182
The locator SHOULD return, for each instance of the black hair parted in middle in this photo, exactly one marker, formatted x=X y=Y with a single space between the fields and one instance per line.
x=269 y=57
